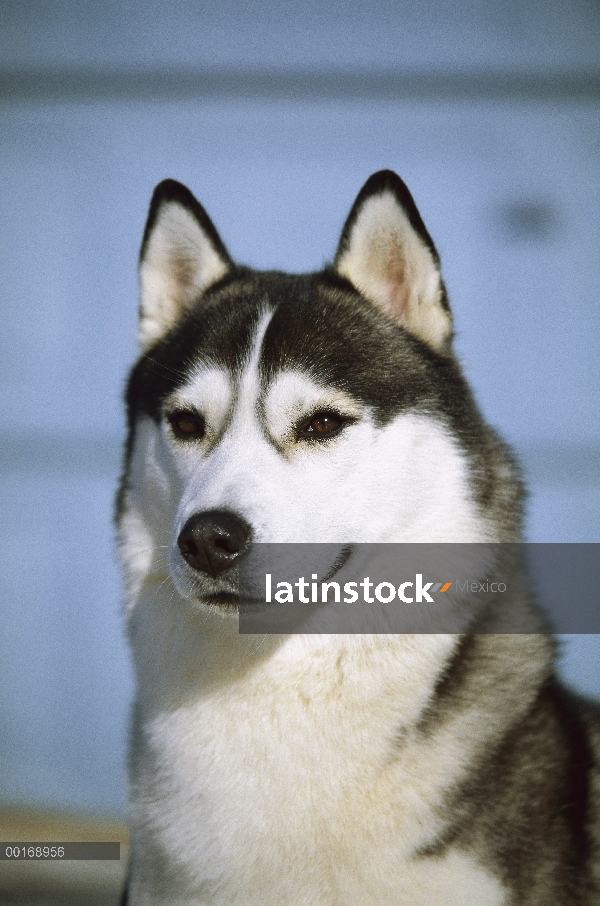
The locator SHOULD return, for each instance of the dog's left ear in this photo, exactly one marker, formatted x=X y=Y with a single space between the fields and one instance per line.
x=388 y=255
x=181 y=256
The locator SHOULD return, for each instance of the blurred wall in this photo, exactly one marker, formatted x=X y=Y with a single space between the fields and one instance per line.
x=274 y=115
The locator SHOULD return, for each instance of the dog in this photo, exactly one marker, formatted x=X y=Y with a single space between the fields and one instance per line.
x=328 y=769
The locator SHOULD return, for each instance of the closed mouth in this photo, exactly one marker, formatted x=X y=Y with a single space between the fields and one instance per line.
x=224 y=600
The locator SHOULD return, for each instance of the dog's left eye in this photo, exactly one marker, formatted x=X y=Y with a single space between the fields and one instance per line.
x=322 y=424
x=187 y=425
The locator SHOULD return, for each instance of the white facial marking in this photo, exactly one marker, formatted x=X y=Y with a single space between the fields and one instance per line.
x=248 y=388
x=405 y=481
x=210 y=394
x=293 y=396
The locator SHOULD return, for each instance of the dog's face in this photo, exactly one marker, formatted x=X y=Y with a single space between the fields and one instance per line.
x=274 y=408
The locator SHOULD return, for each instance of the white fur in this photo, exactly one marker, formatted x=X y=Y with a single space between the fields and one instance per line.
x=229 y=803
x=235 y=808
x=390 y=264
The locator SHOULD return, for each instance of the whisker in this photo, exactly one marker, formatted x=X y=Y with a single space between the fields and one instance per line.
x=255 y=650
x=173 y=593
x=157 y=592
x=178 y=373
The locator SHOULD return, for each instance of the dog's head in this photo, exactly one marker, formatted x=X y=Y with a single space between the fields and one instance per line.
x=267 y=407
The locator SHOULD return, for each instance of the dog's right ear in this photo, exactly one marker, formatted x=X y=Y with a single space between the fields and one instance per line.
x=181 y=256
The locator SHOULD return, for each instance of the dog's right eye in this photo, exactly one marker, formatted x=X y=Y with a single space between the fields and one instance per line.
x=187 y=425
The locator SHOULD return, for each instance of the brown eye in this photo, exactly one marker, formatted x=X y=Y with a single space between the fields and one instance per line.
x=187 y=425
x=321 y=425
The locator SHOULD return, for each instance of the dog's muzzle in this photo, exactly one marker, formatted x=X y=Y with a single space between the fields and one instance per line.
x=213 y=541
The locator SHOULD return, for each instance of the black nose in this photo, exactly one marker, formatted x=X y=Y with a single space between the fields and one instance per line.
x=213 y=541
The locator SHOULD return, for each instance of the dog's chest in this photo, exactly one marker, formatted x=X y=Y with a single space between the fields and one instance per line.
x=307 y=783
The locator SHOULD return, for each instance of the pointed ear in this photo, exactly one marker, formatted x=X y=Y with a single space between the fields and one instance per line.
x=388 y=255
x=181 y=256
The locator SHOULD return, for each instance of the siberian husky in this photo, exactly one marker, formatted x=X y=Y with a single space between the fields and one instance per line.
x=341 y=769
